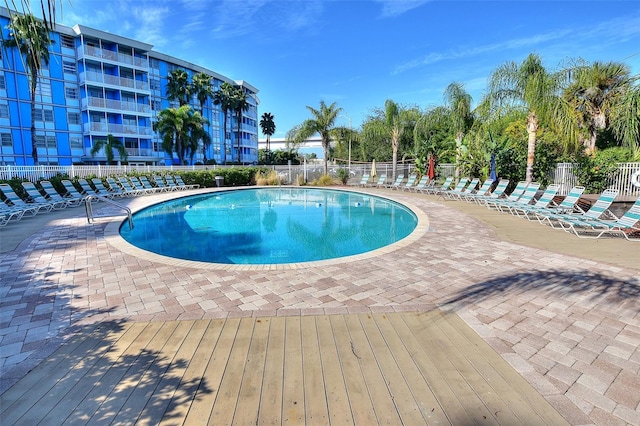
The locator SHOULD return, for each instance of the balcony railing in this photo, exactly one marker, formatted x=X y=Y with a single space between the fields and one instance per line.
x=118 y=129
x=112 y=104
x=96 y=52
x=95 y=77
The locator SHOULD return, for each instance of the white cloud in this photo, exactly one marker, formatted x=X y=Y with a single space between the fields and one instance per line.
x=393 y=8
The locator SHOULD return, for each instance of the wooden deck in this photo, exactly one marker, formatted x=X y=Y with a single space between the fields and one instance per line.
x=403 y=368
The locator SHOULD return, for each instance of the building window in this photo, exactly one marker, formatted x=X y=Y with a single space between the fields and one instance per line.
x=154 y=63
x=45 y=141
x=67 y=41
x=44 y=115
x=156 y=105
x=75 y=142
x=71 y=92
x=6 y=139
x=2 y=82
x=4 y=111
x=44 y=87
x=154 y=84
x=73 y=118
x=68 y=67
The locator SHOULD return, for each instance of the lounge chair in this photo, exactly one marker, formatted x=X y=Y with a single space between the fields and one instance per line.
x=411 y=180
x=380 y=183
x=435 y=190
x=114 y=193
x=128 y=187
x=9 y=213
x=497 y=193
x=364 y=180
x=72 y=191
x=456 y=191
x=424 y=183
x=524 y=200
x=146 y=184
x=87 y=189
x=595 y=228
x=568 y=205
x=161 y=184
x=52 y=194
x=137 y=185
x=181 y=183
x=598 y=210
x=14 y=201
x=484 y=189
x=513 y=197
x=396 y=184
x=172 y=184
x=545 y=200
x=36 y=197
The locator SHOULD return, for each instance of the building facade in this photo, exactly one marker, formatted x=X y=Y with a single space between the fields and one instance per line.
x=98 y=84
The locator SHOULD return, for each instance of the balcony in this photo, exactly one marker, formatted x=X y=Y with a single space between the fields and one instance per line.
x=115 y=105
x=112 y=80
x=118 y=129
x=109 y=55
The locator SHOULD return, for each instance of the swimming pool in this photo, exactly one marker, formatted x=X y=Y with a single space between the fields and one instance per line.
x=270 y=225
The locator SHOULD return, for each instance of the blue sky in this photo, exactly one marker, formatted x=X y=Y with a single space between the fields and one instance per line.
x=360 y=53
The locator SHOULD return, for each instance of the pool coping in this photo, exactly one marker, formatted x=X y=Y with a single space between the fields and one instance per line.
x=112 y=236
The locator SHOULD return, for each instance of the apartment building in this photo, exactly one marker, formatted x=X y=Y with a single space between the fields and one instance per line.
x=98 y=83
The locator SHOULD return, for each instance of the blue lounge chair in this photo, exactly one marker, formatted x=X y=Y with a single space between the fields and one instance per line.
x=456 y=191
x=114 y=193
x=397 y=183
x=545 y=200
x=595 y=228
x=53 y=195
x=437 y=189
x=568 y=205
x=37 y=198
x=424 y=183
x=512 y=198
x=380 y=183
x=364 y=180
x=484 y=189
x=181 y=183
x=599 y=210
x=411 y=181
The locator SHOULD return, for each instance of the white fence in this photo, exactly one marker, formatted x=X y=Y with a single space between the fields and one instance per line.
x=562 y=175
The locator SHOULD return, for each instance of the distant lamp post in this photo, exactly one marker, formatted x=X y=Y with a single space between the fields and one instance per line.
x=350 y=131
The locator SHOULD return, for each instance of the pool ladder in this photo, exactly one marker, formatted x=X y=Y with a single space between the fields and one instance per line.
x=89 y=208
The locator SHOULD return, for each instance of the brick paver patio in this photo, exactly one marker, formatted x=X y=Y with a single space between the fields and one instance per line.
x=570 y=326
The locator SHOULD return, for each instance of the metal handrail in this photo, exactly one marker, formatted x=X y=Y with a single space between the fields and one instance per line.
x=89 y=208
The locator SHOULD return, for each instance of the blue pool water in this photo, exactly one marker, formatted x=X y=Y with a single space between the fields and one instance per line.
x=270 y=225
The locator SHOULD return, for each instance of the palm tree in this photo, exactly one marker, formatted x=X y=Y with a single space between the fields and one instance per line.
x=459 y=105
x=392 y=125
x=593 y=92
x=180 y=129
x=321 y=124
x=530 y=87
x=625 y=118
x=178 y=86
x=239 y=105
x=109 y=145
x=224 y=98
x=203 y=90
x=268 y=129
x=31 y=37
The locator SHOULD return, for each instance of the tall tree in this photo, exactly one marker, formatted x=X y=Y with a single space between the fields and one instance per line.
x=321 y=124
x=458 y=102
x=625 y=118
x=109 y=145
x=531 y=87
x=203 y=90
x=31 y=37
x=239 y=105
x=392 y=126
x=594 y=91
x=180 y=130
x=178 y=86
x=268 y=127
x=224 y=98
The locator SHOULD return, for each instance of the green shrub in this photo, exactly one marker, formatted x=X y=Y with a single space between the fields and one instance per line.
x=593 y=172
x=343 y=175
x=324 y=180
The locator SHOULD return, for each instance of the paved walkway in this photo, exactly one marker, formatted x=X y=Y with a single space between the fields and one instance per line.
x=563 y=312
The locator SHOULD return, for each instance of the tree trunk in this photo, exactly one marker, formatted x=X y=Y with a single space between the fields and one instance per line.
x=325 y=151
x=395 y=159
x=456 y=171
x=532 y=127
x=34 y=144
